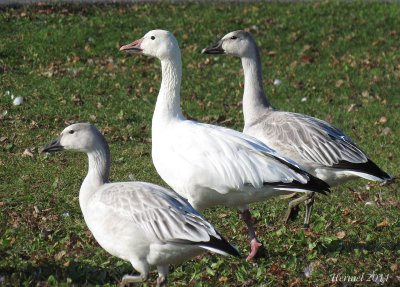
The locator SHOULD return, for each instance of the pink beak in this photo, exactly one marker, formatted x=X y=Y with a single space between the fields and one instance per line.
x=133 y=48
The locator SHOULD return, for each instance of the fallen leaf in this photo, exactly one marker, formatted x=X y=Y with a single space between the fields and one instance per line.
x=346 y=212
x=27 y=153
x=382 y=120
x=276 y=270
x=339 y=83
x=384 y=223
x=360 y=196
x=365 y=94
x=294 y=282
x=352 y=107
x=223 y=279
x=386 y=131
x=329 y=118
x=307 y=59
x=394 y=267
x=340 y=234
x=333 y=260
x=60 y=255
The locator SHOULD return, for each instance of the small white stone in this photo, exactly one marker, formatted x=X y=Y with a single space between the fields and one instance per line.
x=65 y=214
x=7 y=93
x=304 y=99
x=369 y=203
x=277 y=82
x=18 y=101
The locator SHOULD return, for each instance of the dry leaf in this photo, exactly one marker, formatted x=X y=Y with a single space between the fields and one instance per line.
x=384 y=223
x=27 y=153
x=383 y=120
x=339 y=83
x=329 y=118
x=341 y=234
x=360 y=196
x=223 y=279
x=394 y=267
x=346 y=212
x=307 y=59
x=386 y=131
x=60 y=255
x=295 y=282
x=352 y=107
x=333 y=260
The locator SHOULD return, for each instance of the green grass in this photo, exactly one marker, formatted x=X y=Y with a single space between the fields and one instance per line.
x=65 y=62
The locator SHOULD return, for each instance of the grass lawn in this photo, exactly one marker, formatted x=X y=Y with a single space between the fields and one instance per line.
x=337 y=61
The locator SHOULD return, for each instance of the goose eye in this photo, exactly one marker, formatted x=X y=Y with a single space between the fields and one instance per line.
x=71 y=132
x=152 y=37
x=233 y=37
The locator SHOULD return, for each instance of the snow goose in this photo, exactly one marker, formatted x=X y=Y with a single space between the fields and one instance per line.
x=140 y=222
x=322 y=149
x=207 y=164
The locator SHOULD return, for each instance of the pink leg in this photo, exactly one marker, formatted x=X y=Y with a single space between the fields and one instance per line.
x=254 y=243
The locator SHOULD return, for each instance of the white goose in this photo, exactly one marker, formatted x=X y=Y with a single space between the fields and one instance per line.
x=207 y=164
x=322 y=149
x=140 y=222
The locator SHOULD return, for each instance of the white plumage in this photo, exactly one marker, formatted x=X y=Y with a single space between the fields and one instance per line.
x=207 y=164
x=141 y=222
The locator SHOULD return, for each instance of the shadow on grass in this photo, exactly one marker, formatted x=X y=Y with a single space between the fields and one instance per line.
x=76 y=272
x=349 y=247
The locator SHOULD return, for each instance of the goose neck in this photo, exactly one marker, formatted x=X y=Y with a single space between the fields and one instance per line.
x=98 y=173
x=168 y=100
x=254 y=98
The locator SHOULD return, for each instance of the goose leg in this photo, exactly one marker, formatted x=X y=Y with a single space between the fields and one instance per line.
x=142 y=268
x=254 y=243
x=128 y=279
x=309 y=207
x=294 y=206
x=162 y=276
x=292 y=211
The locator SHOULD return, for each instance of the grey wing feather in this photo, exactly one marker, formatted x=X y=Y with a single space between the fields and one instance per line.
x=162 y=214
x=315 y=140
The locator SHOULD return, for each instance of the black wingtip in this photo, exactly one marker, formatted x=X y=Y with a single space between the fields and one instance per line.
x=368 y=167
x=223 y=245
x=314 y=184
x=317 y=185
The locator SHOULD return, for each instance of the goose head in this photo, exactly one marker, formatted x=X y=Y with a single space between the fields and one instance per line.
x=82 y=137
x=160 y=44
x=238 y=43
